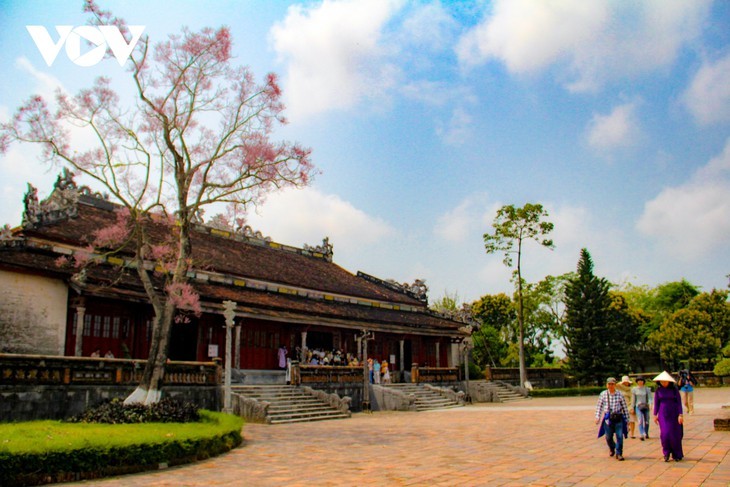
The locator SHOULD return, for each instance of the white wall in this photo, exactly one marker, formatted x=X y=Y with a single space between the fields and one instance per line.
x=32 y=314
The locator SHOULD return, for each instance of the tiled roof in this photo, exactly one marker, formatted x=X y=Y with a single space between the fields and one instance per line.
x=265 y=279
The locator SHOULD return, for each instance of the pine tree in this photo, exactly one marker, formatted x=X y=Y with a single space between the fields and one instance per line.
x=591 y=348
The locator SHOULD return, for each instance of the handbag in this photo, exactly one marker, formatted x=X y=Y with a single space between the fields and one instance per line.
x=643 y=406
x=616 y=418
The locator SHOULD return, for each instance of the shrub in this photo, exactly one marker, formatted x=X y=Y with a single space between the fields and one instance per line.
x=475 y=372
x=116 y=412
x=722 y=367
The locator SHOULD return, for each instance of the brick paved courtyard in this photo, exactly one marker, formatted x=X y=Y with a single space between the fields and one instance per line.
x=542 y=442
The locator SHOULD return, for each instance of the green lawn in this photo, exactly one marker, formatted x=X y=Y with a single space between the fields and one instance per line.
x=32 y=451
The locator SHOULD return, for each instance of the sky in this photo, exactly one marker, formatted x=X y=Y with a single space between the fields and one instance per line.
x=425 y=117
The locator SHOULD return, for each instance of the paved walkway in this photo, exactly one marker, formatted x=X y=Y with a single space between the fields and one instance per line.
x=541 y=442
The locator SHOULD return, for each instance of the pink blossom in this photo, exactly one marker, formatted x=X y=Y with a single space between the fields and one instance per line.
x=83 y=256
x=114 y=235
x=183 y=296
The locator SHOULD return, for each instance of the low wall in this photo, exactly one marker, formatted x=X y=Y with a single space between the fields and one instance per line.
x=539 y=377
x=28 y=403
x=54 y=387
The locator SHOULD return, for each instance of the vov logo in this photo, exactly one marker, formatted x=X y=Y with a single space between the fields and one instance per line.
x=101 y=37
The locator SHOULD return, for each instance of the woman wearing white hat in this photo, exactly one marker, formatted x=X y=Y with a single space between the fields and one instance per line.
x=668 y=415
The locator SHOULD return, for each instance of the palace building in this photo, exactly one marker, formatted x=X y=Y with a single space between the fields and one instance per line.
x=297 y=297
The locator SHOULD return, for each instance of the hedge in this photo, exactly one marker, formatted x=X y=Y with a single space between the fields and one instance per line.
x=111 y=455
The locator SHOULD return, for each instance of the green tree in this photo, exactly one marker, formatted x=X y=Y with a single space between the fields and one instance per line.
x=626 y=325
x=590 y=343
x=497 y=315
x=642 y=302
x=686 y=335
x=545 y=308
x=512 y=228
x=715 y=304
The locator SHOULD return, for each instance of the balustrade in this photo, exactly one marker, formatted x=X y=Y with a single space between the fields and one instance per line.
x=55 y=370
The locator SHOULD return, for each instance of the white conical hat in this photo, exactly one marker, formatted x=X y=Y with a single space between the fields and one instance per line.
x=664 y=376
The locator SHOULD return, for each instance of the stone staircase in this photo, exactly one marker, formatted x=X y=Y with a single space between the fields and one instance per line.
x=289 y=404
x=503 y=391
x=426 y=399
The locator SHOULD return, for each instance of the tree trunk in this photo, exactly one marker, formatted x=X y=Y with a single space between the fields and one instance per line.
x=520 y=317
x=149 y=390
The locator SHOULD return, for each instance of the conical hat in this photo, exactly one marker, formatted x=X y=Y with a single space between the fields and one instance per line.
x=664 y=376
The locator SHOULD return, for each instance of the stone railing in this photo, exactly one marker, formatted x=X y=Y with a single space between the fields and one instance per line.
x=340 y=403
x=391 y=399
x=59 y=370
x=434 y=374
x=483 y=391
x=253 y=410
x=456 y=396
x=303 y=374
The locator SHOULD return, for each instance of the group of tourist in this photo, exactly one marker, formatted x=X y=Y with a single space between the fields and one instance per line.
x=378 y=371
x=620 y=407
x=317 y=356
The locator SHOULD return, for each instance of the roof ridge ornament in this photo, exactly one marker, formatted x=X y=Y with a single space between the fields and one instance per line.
x=61 y=204
x=326 y=249
x=418 y=289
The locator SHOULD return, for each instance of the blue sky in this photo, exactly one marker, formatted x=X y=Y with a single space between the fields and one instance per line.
x=426 y=117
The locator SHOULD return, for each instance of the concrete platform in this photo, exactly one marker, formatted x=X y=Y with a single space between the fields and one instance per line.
x=540 y=442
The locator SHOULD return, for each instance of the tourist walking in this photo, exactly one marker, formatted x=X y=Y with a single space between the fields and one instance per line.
x=625 y=389
x=612 y=414
x=668 y=415
x=687 y=383
x=641 y=399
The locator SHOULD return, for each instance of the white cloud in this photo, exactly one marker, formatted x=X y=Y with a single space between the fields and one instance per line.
x=334 y=54
x=592 y=41
x=45 y=84
x=458 y=128
x=691 y=220
x=467 y=220
x=299 y=216
x=429 y=27
x=708 y=95
x=620 y=128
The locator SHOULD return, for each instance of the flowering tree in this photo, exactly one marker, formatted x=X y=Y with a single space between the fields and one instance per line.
x=198 y=134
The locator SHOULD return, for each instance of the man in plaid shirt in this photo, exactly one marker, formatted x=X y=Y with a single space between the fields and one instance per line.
x=612 y=403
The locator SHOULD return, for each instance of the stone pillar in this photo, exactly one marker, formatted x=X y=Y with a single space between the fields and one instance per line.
x=438 y=354
x=229 y=312
x=237 y=355
x=402 y=357
x=80 y=316
x=303 y=358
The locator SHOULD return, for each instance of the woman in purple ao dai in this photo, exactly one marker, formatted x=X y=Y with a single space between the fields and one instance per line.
x=668 y=415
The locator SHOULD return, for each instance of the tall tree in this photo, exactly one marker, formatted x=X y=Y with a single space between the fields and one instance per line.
x=590 y=343
x=199 y=134
x=512 y=228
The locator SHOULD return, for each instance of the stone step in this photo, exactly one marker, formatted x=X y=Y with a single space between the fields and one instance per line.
x=289 y=404
x=426 y=399
x=322 y=417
